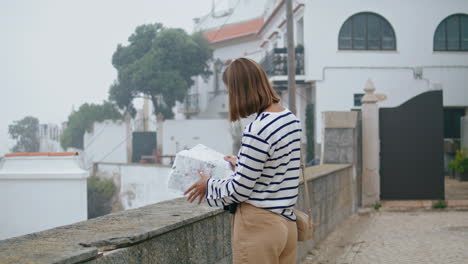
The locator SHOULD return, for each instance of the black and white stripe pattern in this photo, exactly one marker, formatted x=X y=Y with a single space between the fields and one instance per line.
x=268 y=166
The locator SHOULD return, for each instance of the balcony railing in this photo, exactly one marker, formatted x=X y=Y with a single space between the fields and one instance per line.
x=275 y=63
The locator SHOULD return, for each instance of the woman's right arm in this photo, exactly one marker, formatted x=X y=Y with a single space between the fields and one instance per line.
x=253 y=154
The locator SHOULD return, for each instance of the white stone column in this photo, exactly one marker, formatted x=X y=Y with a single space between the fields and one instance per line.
x=370 y=147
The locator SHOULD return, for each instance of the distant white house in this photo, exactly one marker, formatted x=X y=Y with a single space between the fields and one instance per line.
x=111 y=141
x=40 y=191
x=232 y=33
x=106 y=142
x=49 y=138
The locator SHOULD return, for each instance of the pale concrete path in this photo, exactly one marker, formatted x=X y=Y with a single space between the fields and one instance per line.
x=397 y=238
x=455 y=189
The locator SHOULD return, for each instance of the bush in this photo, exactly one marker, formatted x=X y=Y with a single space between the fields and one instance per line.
x=441 y=204
x=460 y=162
x=377 y=205
x=100 y=192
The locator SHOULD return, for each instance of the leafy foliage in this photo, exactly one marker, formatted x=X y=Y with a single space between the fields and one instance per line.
x=460 y=162
x=81 y=121
x=26 y=134
x=158 y=62
x=440 y=204
x=377 y=205
x=100 y=192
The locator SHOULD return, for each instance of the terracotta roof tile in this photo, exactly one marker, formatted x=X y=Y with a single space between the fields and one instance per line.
x=234 y=31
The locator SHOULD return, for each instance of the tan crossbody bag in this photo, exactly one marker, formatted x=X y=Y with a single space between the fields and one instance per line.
x=305 y=226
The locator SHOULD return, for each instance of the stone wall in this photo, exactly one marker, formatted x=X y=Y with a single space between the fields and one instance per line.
x=342 y=137
x=464 y=133
x=175 y=231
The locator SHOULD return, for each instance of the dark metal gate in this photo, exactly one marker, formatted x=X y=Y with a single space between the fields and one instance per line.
x=411 y=149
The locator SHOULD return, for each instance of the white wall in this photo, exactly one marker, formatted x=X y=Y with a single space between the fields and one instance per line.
x=185 y=134
x=339 y=74
x=49 y=145
x=138 y=184
x=274 y=25
x=102 y=140
x=414 y=23
x=39 y=193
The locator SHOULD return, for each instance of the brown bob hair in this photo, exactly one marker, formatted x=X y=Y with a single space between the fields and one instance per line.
x=248 y=88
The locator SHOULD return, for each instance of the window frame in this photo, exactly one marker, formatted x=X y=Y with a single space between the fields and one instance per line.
x=460 y=40
x=366 y=48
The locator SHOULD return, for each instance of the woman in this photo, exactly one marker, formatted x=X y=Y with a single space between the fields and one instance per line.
x=266 y=178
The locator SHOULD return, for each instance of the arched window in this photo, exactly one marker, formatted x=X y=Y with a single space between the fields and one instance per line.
x=452 y=34
x=366 y=31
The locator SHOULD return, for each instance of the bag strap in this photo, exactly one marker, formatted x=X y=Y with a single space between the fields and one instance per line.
x=306 y=189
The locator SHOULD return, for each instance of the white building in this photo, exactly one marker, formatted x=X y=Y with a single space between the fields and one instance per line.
x=49 y=138
x=40 y=191
x=236 y=31
x=405 y=47
x=231 y=30
x=107 y=142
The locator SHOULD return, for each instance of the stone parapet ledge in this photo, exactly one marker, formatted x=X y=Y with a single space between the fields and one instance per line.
x=88 y=239
x=315 y=172
x=172 y=231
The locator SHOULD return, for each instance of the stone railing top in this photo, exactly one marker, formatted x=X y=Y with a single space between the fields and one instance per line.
x=88 y=239
x=321 y=170
x=337 y=119
x=85 y=240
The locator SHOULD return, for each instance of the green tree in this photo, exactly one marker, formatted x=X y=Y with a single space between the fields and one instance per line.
x=26 y=134
x=158 y=62
x=100 y=192
x=82 y=121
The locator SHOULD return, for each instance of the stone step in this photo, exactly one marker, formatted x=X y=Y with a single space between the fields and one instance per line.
x=422 y=204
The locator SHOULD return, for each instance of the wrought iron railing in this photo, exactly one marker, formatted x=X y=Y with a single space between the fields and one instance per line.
x=275 y=63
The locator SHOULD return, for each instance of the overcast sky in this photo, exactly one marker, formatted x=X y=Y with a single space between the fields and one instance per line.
x=56 y=54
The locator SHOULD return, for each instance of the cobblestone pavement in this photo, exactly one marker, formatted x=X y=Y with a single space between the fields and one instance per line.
x=397 y=238
x=455 y=189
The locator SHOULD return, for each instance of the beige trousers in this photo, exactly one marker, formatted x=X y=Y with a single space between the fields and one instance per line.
x=261 y=236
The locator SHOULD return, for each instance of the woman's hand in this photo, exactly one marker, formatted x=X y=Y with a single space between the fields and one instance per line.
x=232 y=160
x=198 y=189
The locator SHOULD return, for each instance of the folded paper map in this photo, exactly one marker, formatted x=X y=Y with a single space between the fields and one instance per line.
x=184 y=172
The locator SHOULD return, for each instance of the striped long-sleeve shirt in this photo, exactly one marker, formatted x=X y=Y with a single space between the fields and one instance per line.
x=268 y=166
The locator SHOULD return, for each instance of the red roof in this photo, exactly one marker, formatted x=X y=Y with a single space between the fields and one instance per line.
x=50 y=154
x=234 y=31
